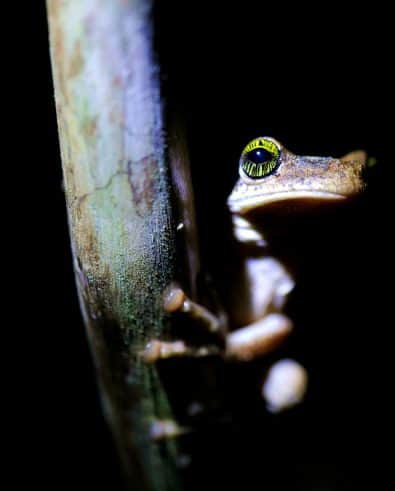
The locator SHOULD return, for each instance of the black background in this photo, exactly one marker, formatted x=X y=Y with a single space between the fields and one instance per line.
x=313 y=77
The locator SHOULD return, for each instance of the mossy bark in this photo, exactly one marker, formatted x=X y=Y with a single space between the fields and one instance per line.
x=118 y=200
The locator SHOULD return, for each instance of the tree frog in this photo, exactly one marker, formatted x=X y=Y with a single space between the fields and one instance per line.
x=272 y=181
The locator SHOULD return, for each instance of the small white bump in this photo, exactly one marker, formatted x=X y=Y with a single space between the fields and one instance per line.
x=285 y=385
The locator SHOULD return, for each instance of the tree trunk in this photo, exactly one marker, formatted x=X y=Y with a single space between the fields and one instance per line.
x=120 y=217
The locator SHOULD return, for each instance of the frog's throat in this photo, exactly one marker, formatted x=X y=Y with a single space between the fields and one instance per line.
x=244 y=205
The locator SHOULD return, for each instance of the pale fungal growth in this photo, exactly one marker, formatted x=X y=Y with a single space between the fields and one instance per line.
x=259 y=338
x=285 y=385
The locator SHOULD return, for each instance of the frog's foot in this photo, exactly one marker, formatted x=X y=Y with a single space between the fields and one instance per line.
x=259 y=338
x=285 y=385
x=175 y=300
x=160 y=350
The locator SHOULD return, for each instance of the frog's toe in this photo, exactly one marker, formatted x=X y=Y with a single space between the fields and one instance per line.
x=285 y=385
x=162 y=429
x=259 y=338
x=175 y=300
x=157 y=350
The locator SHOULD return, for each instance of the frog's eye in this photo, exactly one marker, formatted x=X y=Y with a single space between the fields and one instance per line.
x=260 y=158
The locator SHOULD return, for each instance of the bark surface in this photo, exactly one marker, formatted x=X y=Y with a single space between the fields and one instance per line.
x=120 y=218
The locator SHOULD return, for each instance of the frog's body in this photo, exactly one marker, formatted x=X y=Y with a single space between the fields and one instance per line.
x=296 y=185
x=273 y=181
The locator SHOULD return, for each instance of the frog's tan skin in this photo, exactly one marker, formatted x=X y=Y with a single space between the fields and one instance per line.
x=297 y=177
x=259 y=325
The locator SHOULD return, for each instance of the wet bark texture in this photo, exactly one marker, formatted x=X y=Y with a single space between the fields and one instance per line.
x=118 y=200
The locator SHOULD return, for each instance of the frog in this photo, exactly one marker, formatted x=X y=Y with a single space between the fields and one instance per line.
x=272 y=182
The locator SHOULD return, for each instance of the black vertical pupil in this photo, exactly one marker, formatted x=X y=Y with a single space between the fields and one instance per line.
x=259 y=155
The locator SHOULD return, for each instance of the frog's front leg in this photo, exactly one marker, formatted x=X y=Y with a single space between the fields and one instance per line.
x=257 y=298
x=264 y=284
x=176 y=301
x=259 y=293
x=259 y=338
x=286 y=381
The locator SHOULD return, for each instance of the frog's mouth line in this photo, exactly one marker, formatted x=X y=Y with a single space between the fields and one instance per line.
x=244 y=205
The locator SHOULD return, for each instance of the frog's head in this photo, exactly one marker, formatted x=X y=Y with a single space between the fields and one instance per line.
x=270 y=175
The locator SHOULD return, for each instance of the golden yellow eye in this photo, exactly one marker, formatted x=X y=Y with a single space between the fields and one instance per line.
x=260 y=158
